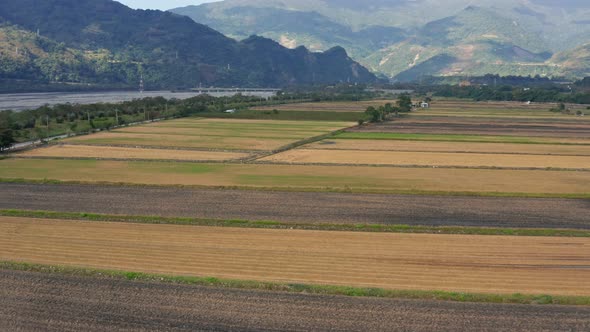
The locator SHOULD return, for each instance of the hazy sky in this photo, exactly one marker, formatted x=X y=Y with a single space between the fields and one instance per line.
x=161 y=4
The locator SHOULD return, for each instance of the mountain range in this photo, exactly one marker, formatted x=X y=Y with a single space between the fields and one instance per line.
x=104 y=43
x=407 y=39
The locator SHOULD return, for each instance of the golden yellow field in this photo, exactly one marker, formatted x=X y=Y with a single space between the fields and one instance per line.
x=478 y=264
x=105 y=152
x=431 y=146
x=314 y=156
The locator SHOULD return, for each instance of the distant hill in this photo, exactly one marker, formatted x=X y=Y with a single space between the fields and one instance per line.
x=409 y=38
x=104 y=42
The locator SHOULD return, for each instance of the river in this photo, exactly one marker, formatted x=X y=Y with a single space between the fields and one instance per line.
x=25 y=101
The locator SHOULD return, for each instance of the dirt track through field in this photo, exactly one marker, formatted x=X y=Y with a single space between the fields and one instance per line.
x=299 y=207
x=33 y=302
x=478 y=264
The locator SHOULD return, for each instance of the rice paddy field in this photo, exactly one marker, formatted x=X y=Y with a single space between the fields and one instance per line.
x=469 y=157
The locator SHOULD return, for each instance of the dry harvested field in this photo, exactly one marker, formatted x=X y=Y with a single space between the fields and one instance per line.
x=297 y=177
x=578 y=131
x=359 y=106
x=104 y=152
x=462 y=147
x=478 y=264
x=33 y=302
x=216 y=134
x=443 y=159
x=300 y=207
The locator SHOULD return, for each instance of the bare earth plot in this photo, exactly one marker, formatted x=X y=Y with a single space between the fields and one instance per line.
x=300 y=207
x=457 y=126
x=477 y=264
x=104 y=152
x=453 y=159
x=298 y=177
x=461 y=147
x=33 y=302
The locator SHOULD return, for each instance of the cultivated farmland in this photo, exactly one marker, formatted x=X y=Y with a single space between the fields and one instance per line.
x=317 y=205
x=213 y=134
x=443 y=159
x=476 y=264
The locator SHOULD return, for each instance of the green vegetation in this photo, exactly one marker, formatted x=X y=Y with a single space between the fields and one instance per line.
x=452 y=138
x=376 y=228
x=289 y=115
x=114 y=46
x=299 y=288
x=409 y=40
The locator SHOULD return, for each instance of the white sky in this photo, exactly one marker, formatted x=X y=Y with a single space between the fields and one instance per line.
x=161 y=4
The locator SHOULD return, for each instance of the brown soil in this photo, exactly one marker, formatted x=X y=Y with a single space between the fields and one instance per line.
x=479 y=264
x=457 y=126
x=300 y=207
x=102 y=152
x=34 y=302
x=306 y=156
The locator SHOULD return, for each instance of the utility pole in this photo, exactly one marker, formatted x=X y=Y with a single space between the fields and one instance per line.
x=117 y=117
x=88 y=113
x=47 y=127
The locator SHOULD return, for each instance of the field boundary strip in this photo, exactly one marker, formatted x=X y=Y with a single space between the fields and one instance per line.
x=342 y=190
x=268 y=224
x=517 y=298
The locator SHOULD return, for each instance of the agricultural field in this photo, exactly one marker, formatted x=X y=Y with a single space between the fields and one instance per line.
x=214 y=134
x=367 y=179
x=113 y=152
x=189 y=140
x=473 y=264
x=465 y=201
x=441 y=159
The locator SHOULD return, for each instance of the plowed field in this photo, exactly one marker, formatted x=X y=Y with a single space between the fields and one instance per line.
x=481 y=264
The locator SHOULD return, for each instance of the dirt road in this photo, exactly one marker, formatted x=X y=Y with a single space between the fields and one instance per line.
x=33 y=302
x=299 y=207
x=475 y=264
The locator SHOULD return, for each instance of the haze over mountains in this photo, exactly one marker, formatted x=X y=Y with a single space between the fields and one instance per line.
x=407 y=39
x=103 y=42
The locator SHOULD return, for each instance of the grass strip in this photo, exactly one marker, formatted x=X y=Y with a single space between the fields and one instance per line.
x=341 y=190
x=375 y=228
x=450 y=138
x=299 y=288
